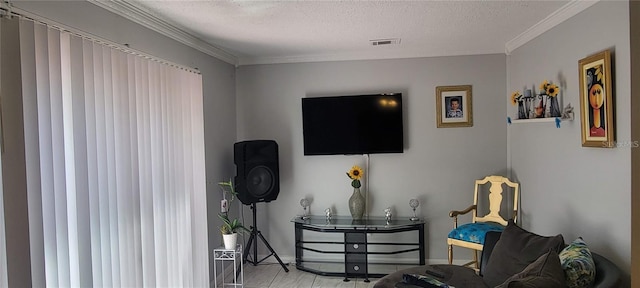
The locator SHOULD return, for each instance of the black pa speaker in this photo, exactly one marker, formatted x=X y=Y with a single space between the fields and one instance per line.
x=257 y=174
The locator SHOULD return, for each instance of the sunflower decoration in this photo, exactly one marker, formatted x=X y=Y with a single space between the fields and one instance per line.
x=543 y=85
x=515 y=97
x=552 y=90
x=548 y=88
x=355 y=174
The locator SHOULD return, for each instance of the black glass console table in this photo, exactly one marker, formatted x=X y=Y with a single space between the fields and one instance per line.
x=355 y=244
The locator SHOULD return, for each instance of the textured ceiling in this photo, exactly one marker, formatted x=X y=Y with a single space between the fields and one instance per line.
x=294 y=31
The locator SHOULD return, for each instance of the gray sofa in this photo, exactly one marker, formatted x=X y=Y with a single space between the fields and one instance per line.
x=608 y=275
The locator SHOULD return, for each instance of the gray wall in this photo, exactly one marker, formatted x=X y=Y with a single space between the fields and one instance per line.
x=438 y=165
x=566 y=188
x=218 y=79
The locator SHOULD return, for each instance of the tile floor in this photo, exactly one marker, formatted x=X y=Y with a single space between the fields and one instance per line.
x=273 y=276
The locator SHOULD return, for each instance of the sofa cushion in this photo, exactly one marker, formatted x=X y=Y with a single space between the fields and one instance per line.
x=578 y=265
x=515 y=250
x=454 y=275
x=546 y=272
x=474 y=232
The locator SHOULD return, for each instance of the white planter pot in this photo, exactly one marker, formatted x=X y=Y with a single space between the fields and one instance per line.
x=230 y=241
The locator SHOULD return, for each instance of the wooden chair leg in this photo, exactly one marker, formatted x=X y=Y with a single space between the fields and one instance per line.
x=475 y=258
x=450 y=254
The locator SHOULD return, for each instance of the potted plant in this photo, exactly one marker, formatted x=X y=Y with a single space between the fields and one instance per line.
x=229 y=227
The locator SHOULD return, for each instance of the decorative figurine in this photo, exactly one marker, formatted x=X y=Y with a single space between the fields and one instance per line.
x=413 y=203
x=567 y=112
x=304 y=203
x=327 y=212
x=387 y=214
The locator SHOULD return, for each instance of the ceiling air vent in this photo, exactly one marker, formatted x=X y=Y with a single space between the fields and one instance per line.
x=381 y=42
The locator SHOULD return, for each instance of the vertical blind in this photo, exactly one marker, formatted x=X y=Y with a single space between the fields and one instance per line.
x=115 y=165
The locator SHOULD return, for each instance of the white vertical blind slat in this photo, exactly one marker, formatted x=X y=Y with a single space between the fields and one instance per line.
x=46 y=154
x=158 y=181
x=58 y=149
x=123 y=166
x=112 y=189
x=121 y=185
x=198 y=214
x=101 y=151
x=32 y=148
x=135 y=174
x=68 y=161
x=93 y=188
x=147 y=201
x=79 y=138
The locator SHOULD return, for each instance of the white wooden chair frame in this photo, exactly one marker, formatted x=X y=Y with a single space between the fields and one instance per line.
x=495 y=201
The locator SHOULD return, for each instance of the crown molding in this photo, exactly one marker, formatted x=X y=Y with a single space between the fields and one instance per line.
x=144 y=18
x=350 y=56
x=565 y=12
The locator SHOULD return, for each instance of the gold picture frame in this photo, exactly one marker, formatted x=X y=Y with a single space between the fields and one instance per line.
x=453 y=106
x=596 y=101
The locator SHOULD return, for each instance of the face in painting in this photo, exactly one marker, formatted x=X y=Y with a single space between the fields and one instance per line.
x=595 y=96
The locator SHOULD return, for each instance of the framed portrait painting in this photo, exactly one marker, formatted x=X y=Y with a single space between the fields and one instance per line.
x=596 y=101
x=453 y=106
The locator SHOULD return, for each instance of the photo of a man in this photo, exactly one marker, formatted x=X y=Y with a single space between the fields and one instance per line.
x=454 y=107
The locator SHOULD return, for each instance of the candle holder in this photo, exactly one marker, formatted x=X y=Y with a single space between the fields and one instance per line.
x=304 y=203
x=414 y=203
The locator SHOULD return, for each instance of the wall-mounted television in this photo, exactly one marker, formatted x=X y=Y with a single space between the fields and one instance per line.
x=355 y=124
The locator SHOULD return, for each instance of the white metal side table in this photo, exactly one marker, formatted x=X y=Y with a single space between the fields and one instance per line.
x=224 y=258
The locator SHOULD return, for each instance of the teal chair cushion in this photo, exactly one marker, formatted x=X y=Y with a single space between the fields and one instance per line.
x=474 y=232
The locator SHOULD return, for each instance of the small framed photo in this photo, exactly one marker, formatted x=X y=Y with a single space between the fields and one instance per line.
x=453 y=106
x=596 y=101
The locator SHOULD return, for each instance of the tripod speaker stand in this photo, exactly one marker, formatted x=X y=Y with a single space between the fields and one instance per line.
x=253 y=239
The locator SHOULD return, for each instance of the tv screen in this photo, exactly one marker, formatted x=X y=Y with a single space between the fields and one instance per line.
x=362 y=124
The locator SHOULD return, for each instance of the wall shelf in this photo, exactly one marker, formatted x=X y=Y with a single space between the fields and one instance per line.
x=568 y=117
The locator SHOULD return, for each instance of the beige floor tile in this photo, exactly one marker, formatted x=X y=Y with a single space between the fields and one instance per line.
x=293 y=279
x=273 y=276
x=333 y=282
x=361 y=284
x=260 y=276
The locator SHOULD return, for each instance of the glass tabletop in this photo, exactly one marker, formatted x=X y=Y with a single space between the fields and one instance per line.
x=377 y=222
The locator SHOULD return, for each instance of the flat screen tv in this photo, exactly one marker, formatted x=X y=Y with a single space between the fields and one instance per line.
x=362 y=124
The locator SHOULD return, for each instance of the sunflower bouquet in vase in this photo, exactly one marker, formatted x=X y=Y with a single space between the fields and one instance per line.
x=517 y=99
x=356 y=201
x=551 y=91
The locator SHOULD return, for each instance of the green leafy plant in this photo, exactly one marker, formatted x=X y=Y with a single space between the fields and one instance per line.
x=229 y=226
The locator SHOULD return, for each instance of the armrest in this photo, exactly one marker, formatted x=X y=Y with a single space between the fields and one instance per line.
x=608 y=275
x=455 y=213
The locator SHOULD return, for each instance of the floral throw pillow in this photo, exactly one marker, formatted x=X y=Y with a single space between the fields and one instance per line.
x=577 y=263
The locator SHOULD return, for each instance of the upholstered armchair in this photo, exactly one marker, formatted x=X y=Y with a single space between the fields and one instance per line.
x=472 y=235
